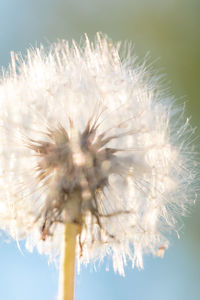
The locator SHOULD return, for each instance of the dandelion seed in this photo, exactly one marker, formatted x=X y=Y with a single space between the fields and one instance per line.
x=87 y=138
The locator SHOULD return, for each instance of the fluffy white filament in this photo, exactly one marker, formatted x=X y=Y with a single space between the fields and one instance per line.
x=147 y=179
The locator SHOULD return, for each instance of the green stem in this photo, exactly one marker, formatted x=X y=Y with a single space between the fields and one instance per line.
x=67 y=270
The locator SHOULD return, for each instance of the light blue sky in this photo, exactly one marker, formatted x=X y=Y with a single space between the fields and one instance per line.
x=29 y=276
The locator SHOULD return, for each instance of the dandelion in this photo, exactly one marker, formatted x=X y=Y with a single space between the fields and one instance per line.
x=91 y=151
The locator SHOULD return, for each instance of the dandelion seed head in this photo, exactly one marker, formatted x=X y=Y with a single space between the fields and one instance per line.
x=88 y=137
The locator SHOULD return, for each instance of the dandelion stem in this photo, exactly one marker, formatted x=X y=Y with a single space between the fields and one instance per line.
x=68 y=262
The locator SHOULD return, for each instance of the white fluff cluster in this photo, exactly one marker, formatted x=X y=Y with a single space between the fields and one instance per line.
x=87 y=137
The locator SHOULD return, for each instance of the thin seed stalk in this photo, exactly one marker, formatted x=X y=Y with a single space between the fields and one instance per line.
x=67 y=268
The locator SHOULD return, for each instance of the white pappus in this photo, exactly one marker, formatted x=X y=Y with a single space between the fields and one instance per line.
x=88 y=137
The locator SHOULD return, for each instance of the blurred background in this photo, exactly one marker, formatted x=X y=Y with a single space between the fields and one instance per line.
x=170 y=31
